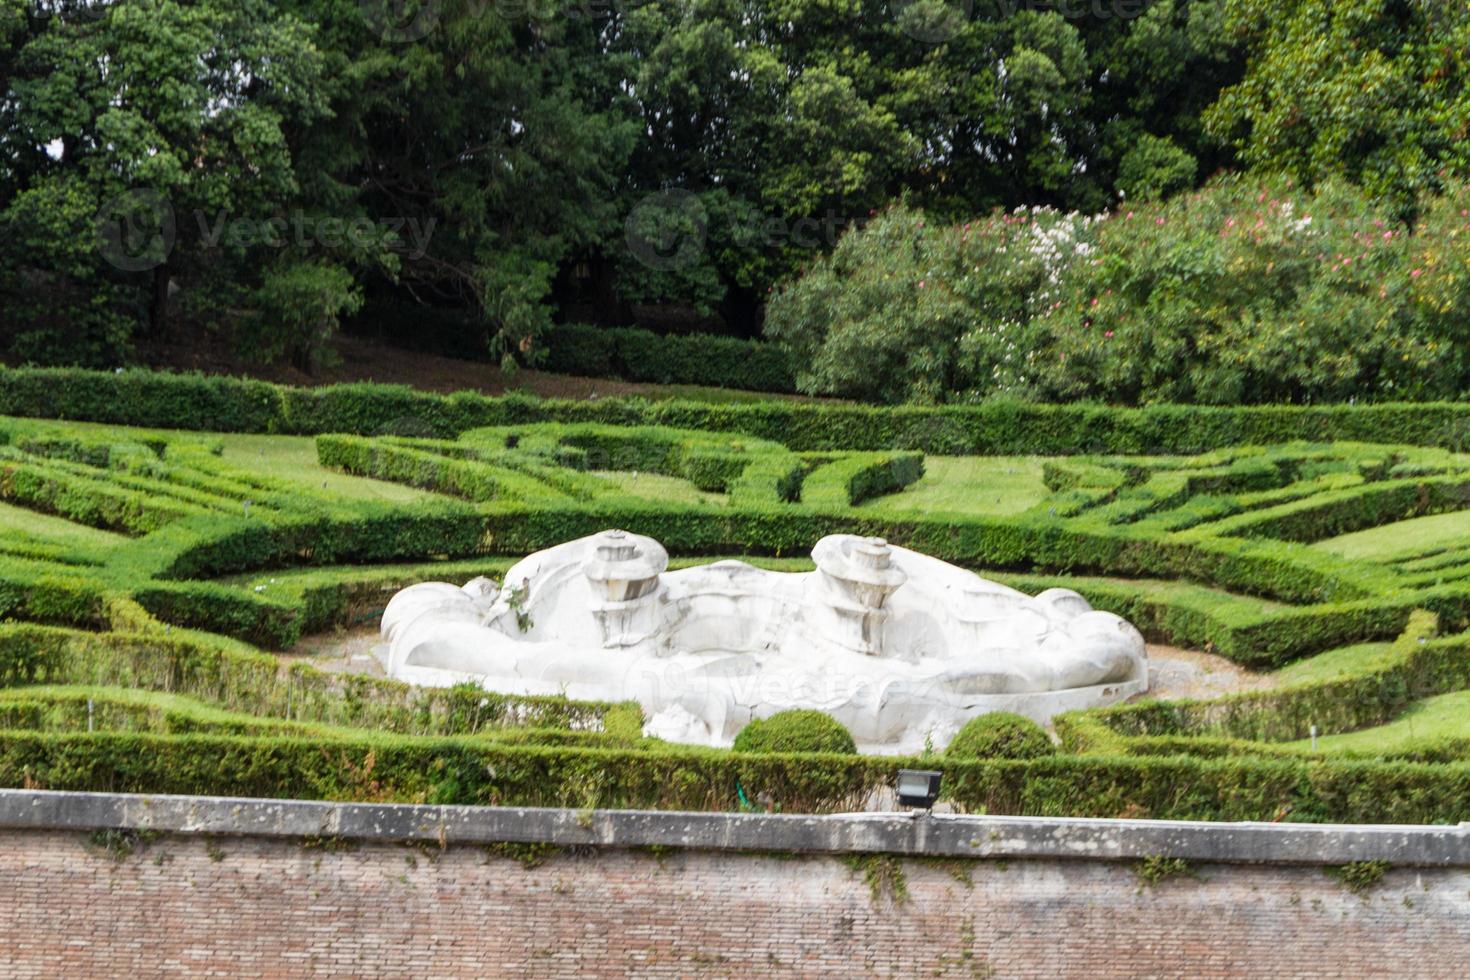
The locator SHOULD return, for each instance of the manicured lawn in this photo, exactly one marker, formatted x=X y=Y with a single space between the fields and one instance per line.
x=1403 y=539
x=969 y=485
x=32 y=526
x=290 y=458
x=1433 y=719
x=1331 y=664
x=655 y=486
x=293 y=458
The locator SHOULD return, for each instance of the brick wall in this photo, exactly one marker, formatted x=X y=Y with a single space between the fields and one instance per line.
x=270 y=906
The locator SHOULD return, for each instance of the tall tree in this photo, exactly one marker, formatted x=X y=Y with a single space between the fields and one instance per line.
x=129 y=130
x=500 y=136
x=1376 y=91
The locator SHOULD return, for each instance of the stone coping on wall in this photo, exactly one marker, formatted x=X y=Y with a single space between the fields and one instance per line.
x=912 y=833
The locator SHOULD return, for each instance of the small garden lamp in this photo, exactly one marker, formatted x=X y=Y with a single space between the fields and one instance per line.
x=918 y=788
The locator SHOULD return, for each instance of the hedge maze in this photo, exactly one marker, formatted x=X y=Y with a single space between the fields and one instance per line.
x=154 y=581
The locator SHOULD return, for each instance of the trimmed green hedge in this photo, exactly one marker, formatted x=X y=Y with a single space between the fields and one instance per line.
x=1420 y=666
x=468 y=478
x=256 y=683
x=82 y=708
x=258 y=620
x=1328 y=515
x=160 y=400
x=295 y=528
x=1000 y=735
x=627 y=353
x=856 y=477
x=228 y=546
x=689 y=359
x=485 y=771
x=85 y=499
x=189 y=550
x=1258 y=639
x=77 y=708
x=801 y=730
x=33 y=592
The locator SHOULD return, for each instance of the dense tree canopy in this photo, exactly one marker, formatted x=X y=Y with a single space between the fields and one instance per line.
x=1371 y=90
x=264 y=169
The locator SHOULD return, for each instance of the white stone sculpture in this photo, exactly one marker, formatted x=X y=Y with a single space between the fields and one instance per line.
x=899 y=647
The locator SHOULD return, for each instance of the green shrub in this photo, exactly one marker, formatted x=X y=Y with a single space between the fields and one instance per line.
x=488 y=771
x=795 y=731
x=1245 y=291
x=1000 y=735
x=690 y=359
x=1155 y=167
x=904 y=310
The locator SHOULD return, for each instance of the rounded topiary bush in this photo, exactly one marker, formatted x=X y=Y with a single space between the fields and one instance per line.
x=1000 y=735
x=795 y=731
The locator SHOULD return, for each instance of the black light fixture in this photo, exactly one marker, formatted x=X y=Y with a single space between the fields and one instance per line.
x=918 y=787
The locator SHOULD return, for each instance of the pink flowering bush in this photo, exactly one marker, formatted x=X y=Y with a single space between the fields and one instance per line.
x=1242 y=292
x=1434 y=285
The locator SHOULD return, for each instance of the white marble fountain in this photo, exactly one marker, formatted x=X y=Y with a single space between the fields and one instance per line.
x=899 y=647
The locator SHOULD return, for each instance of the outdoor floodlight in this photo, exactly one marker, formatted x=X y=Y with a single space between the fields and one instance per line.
x=918 y=788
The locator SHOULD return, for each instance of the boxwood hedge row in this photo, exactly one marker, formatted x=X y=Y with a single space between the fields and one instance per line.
x=488 y=771
x=1418 y=666
x=694 y=359
x=169 y=577
x=255 y=683
x=223 y=404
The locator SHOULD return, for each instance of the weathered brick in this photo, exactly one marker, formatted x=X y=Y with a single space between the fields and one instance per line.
x=270 y=907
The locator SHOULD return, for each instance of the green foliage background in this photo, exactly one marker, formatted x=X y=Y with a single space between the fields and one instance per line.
x=265 y=170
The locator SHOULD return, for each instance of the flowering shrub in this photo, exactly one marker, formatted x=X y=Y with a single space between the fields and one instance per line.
x=905 y=311
x=1239 y=293
x=1434 y=284
x=1242 y=292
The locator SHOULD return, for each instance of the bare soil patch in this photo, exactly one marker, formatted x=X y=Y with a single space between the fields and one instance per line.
x=348 y=651
x=1174 y=674
x=362 y=359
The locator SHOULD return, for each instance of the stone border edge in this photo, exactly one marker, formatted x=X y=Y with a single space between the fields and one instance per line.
x=936 y=835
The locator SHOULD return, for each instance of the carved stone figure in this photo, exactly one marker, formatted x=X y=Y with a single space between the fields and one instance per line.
x=899 y=647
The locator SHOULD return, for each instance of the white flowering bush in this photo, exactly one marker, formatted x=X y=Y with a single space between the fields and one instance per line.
x=1242 y=292
x=1015 y=266
x=906 y=311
